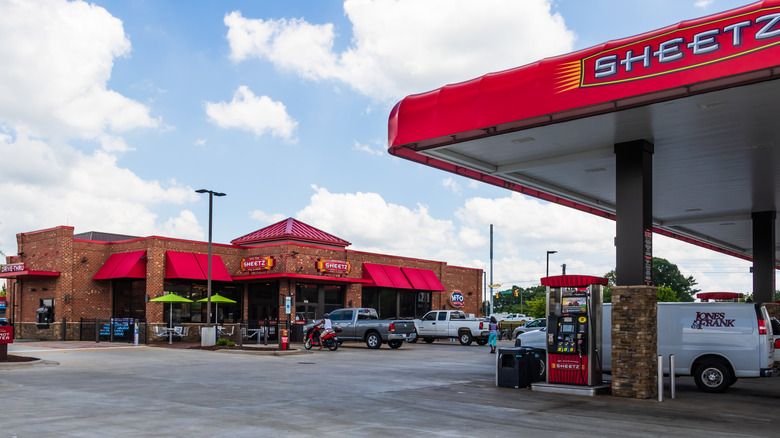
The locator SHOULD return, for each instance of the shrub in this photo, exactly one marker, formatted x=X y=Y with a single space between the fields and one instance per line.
x=225 y=342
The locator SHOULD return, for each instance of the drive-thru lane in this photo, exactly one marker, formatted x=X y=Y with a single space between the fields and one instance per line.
x=441 y=389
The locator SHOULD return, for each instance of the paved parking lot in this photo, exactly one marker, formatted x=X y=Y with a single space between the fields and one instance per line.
x=441 y=389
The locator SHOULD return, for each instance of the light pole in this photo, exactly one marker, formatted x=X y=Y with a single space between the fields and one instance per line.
x=548 y=261
x=208 y=278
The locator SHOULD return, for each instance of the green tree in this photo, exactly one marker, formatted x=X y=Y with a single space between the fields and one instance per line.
x=667 y=274
x=667 y=295
x=663 y=274
x=537 y=308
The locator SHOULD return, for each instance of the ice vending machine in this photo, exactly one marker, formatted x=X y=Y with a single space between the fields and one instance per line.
x=574 y=329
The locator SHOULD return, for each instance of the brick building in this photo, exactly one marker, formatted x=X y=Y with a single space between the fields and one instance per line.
x=59 y=279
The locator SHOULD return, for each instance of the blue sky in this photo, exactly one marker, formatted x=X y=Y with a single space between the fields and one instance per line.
x=113 y=113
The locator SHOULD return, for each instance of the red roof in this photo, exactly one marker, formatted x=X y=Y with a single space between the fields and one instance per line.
x=573 y=281
x=290 y=229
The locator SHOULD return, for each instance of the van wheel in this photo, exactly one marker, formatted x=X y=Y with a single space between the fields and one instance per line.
x=713 y=376
x=395 y=344
x=481 y=341
x=465 y=338
x=429 y=340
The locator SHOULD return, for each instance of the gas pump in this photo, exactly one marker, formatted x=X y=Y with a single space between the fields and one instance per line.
x=574 y=306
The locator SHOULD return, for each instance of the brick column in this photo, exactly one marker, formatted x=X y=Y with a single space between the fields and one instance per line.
x=634 y=341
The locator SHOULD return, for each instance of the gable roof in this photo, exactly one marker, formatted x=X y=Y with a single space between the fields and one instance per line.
x=290 y=229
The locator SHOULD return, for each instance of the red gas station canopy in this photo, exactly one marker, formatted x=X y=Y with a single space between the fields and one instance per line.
x=702 y=91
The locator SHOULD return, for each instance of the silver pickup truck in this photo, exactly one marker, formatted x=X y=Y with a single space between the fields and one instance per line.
x=363 y=325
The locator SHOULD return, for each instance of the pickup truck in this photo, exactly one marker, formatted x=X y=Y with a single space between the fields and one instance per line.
x=363 y=325
x=443 y=324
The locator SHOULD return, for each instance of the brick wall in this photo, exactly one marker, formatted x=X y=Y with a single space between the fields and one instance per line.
x=77 y=262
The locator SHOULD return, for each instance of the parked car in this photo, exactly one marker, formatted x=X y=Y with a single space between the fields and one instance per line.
x=363 y=325
x=443 y=324
x=530 y=326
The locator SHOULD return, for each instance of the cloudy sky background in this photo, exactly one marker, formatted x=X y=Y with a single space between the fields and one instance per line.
x=112 y=113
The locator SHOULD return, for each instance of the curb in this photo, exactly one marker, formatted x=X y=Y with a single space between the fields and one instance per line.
x=30 y=364
x=291 y=352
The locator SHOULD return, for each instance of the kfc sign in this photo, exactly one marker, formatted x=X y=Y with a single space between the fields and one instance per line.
x=333 y=266
x=257 y=263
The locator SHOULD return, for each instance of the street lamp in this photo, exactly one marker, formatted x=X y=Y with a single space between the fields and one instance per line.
x=548 y=261
x=208 y=278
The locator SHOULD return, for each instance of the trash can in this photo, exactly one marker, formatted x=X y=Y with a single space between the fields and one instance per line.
x=516 y=367
x=297 y=333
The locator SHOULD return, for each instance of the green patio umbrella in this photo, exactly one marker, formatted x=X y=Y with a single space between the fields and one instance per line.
x=216 y=299
x=171 y=298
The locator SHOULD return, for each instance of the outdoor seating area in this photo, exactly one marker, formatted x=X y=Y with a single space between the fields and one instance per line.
x=165 y=332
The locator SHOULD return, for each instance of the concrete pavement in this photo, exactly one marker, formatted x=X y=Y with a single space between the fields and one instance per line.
x=441 y=389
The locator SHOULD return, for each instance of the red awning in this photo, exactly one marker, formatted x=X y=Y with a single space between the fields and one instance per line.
x=400 y=278
x=377 y=274
x=194 y=266
x=433 y=281
x=415 y=278
x=397 y=277
x=123 y=265
x=573 y=281
x=423 y=279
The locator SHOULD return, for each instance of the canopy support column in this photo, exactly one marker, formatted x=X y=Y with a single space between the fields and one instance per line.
x=764 y=256
x=634 y=211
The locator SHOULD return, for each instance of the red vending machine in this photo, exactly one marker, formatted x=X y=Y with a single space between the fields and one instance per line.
x=574 y=306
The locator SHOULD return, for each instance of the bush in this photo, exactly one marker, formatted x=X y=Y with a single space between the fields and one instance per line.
x=225 y=342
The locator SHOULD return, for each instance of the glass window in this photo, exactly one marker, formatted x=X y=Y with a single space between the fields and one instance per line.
x=347 y=315
x=442 y=316
x=336 y=316
x=431 y=316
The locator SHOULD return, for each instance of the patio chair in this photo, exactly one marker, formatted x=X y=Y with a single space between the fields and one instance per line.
x=159 y=331
x=183 y=331
x=223 y=330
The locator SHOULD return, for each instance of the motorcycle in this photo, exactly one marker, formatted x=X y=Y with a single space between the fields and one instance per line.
x=330 y=341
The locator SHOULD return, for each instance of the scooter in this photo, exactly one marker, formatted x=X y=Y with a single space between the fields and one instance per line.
x=330 y=341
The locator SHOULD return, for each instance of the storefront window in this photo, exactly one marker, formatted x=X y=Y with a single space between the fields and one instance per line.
x=394 y=303
x=129 y=299
x=263 y=301
x=196 y=311
x=315 y=300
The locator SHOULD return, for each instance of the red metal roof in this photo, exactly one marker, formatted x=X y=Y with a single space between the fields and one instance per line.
x=719 y=295
x=573 y=281
x=123 y=265
x=290 y=229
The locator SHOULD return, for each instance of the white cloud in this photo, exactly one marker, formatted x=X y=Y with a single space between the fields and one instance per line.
x=248 y=112
x=44 y=186
x=57 y=58
x=703 y=3
x=450 y=183
x=266 y=218
x=372 y=224
x=200 y=142
x=375 y=148
x=406 y=46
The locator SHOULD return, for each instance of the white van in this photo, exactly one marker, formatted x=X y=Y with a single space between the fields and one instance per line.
x=716 y=343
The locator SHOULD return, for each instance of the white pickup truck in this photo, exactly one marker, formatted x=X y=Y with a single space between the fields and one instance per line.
x=443 y=324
